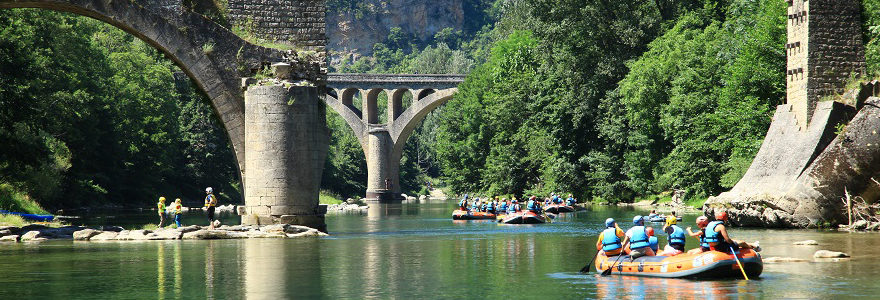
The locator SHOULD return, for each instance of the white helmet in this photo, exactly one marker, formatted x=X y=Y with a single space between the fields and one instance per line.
x=209 y=190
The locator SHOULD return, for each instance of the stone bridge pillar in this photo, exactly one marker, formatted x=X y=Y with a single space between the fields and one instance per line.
x=383 y=178
x=286 y=143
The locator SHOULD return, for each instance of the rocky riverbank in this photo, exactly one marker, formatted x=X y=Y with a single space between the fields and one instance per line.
x=39 y=233
x=347 y=208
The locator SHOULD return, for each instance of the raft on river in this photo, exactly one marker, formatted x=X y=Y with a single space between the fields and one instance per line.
x=523 y=217
x=711 y=264
x=660 y=219
x=459 y=214
x=558 y=208
x=30 y=217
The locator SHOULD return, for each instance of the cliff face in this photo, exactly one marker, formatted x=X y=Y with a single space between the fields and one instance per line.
x=356 y=31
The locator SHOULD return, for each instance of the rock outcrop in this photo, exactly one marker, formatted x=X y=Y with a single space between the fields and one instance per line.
x=192 y=232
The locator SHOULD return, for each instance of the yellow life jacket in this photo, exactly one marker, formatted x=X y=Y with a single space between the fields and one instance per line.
x=161 y=207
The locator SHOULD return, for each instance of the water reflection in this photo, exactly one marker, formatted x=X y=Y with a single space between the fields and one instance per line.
x=623 y=287
x=281 y=269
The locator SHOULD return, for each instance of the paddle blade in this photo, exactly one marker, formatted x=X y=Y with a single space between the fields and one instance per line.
x=586 y=269
x=606 y=272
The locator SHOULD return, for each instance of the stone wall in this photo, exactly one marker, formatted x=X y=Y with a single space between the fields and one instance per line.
x=824 y=51
x=299 y=23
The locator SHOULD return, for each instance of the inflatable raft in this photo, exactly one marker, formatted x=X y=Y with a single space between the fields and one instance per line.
x=525 y=217
x=30 y=217
x=660 y=219
x=712 y=264
x=558 y=208
x=475 y=215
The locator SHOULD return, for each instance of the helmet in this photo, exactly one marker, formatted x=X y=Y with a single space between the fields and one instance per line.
x=161 y=199
x=649 y=231
x=637 y=220
x=178 y=200
x=702 y=221
x=209 y=190
x=721 y=216
x=609 y=222
x=671 y=220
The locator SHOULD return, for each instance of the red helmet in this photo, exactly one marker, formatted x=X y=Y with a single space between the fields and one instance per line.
x=721 y=216
x=649 y=231
x=702 y=221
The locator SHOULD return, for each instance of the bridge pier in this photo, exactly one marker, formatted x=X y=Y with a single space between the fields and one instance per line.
x=383 y=177
x=286 y=143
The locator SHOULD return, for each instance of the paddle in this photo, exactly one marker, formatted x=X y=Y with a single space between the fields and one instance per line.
x=586 y=269
x=608 y=271
x=738 y=263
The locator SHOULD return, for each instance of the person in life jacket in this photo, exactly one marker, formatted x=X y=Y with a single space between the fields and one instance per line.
x=477 y=205
x=719 y=239
x=637 y=237
x=514 y=207
x=502 y=208
x=609 y=240
x=463 y=204
x=178 y=211
x=160 y=206
x=652 y=214
x=490 y=207
x=675 y=237
x=702 y=222
x=570 y=201
x=533 y=205
x=210 y=205
x=652 y=240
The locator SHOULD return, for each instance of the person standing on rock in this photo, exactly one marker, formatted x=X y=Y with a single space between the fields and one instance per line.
x=178 y=210
x=161 y=207
x=210 y=205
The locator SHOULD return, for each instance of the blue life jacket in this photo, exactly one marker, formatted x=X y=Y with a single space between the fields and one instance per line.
x=462 y=203
x=490 y=207
x=532 y=205
x=711 y=235
x=570 y=201
x=610 y=241
x=557 y=200
x=677 y=237
x=516 y=207
x=653 y=243
x=503 y=206
x=639 y=238
x=476 y=206
x=703 y=242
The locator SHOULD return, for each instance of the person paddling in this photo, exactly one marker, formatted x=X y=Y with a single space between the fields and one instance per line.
x=608 y=242
x=638 y=240
x=463 y=204
x=675 y=237
x=533 y=205
x=570 y=201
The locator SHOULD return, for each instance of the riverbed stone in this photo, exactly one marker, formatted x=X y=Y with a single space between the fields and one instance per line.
x=30 y=235
x=310 y=232
x=9 y=238
x=859 y=225
x=783 y=259
x=189 y=228
x=85 y=234
x=806 y=243
x=164 y=234
x=133 y=235
x=213 y=235
x=112 y=228
x=829 y=254
x=105 y=236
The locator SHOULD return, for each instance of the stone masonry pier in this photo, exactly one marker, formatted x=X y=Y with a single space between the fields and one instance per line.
x=383 y=143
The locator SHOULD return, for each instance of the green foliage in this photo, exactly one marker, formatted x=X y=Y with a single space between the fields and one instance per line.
x=91 y=115
x=14 y=200
x=12 y=220
x=327 y=197
x=871 y=33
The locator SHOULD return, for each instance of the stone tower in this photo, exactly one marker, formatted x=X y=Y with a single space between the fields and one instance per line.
x=824 y=50
x=298 y=23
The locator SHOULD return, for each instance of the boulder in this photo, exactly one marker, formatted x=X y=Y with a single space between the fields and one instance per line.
x=262 y=234
x=238 y=228
x=859 y=225
x=829 y=254
x=806 y=243
x=213 y=235
x=782 y=259
x=133 y=235
x=112 y=228
x=9 y=238
x=165 y=234
x=310 y=232
x=105 y=236
x=5 y=232
x=873 y=226
x=30 y=235
x=189 y=228
x=85 y=234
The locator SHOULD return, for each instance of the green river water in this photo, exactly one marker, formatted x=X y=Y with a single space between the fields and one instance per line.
x=415 y=251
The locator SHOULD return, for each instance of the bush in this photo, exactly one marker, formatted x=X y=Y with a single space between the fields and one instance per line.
x=12 y=199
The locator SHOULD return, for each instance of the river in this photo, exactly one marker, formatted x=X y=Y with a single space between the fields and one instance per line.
x=415 y=251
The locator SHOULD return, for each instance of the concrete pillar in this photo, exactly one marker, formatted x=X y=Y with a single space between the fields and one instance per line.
x=286 y=143
x=381 y=166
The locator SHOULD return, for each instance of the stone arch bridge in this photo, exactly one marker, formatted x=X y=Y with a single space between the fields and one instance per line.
x=383 y=143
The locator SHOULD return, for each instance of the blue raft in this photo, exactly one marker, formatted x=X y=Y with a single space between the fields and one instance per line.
x=30 y=217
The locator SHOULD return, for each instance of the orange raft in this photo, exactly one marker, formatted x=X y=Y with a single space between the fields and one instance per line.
x=474 y=215
x=711 y=264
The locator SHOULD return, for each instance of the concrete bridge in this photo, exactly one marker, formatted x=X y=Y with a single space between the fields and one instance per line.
x=383 y=143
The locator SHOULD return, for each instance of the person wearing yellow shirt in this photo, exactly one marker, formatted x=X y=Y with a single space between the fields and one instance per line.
x=178 y=210
x=609 y=240
x=161 y=207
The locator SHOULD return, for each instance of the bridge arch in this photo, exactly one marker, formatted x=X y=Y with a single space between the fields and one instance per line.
x=194 y=43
